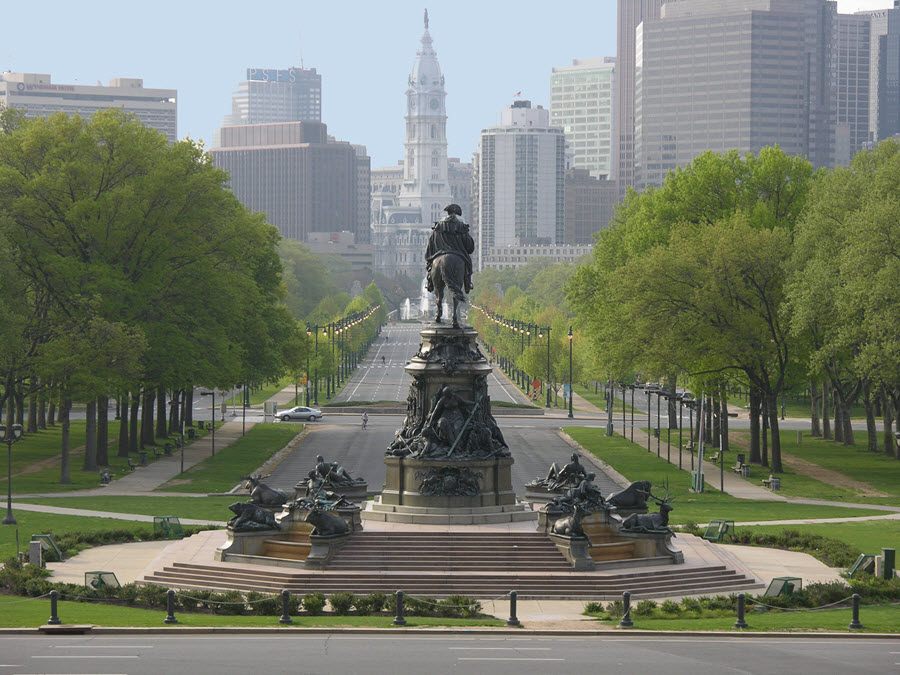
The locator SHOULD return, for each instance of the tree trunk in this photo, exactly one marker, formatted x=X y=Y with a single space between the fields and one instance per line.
x=133 y=424
x=887 y=405
x=726 y=445
x=147 y=437
x=716 y=420
x=90 y=436
x=838 y=423
x=871 y=428
x=671 y=384
x=174 y=412
x=707 y=426
x=765 y=431
x=42 y=411
x=123 y=427
x=755 y=455
x=814 y=402
x=20 y=410
x=51 y=413
x=188 y=408
x=826 y=410
x=32 y=414
x=161 y=429
x=776 y=438
x=64 y=476
x=103 y=431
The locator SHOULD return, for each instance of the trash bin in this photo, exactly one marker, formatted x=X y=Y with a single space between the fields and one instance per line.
x=143 y=456
x=776 y=484
x=740 y=458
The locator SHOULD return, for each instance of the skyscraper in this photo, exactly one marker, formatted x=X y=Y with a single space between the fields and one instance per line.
x=630 y=15
x=521 y=174
x=409 y=198
x=766 y=74
x=293 y=173
x=156 y=108
x=581 y=102
x=884 y=69
x=271 y=95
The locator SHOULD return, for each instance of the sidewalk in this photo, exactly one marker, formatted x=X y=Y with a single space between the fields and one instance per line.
x=145 y=479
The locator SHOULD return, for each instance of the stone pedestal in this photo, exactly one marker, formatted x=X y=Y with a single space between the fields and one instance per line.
x=448 y=484
x=576 y=550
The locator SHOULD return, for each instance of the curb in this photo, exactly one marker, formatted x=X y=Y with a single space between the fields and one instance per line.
x=614 y=633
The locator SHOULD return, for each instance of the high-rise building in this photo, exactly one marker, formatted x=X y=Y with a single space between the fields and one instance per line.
x=156 y=108
x=293 y=173
x=852 y=62
x=765 y=75
x=272 y=95
x=884 y=70
x=590 y=205
x=631 y=13
x=521 y=173
x=409 y=198
x=581 y=102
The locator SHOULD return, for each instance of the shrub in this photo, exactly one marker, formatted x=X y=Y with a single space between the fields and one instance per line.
x=690 y=605
x=689 y=527
x=341 y=603
x=229 y=602
x=264 y=605
x=128 y=593
x=644 y=608
x=669 y=607
x=615 y=609
x=313 y=603
x=593 y=608
x=363 y=605
x=379 y=601
x=459 y=606
x=152 y=597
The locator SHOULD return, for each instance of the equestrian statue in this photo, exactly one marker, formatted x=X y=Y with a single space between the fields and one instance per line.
x=448 y=261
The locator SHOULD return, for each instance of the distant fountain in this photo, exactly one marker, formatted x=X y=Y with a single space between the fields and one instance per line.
x=424 y=299
x=406 y=310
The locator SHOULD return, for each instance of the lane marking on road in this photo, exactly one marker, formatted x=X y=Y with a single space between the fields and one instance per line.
x=518 y=649
x=102 y=646
x=501 y=658
x=90 y=656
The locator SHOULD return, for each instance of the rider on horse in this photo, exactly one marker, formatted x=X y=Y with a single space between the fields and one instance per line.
x=450 y=235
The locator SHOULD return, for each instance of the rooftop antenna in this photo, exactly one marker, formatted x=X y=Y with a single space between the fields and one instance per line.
x=300 y=35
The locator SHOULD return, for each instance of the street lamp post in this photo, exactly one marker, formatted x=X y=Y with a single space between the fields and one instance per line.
x=571 y=384
x=547 y=384
x=308 y=334
x=648 y=421
x=177 y=404
x=212 y=417
x=316 y=369
x=11 y=434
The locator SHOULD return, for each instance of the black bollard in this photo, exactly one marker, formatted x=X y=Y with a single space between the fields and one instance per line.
x=855 y=624
x=740 y=623
x=399 y=620
x=626 y=621
x=285 y=607
x=54 y=617
x=170 y=607
x=513 y=620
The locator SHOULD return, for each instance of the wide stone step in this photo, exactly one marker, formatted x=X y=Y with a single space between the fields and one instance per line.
x=659 y=582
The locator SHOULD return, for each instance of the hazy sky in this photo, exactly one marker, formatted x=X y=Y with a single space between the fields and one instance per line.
x=488 y=51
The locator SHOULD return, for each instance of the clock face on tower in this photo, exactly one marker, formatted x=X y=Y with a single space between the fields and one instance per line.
x=434 y=104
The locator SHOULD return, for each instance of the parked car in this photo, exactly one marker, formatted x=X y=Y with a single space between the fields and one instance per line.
x=300 y=413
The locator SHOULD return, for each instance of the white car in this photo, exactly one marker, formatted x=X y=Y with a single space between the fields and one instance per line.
x=300 y=413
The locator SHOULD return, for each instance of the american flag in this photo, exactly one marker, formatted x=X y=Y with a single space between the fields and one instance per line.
x=517 y=94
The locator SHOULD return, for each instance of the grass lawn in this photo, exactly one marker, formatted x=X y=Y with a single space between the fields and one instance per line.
x=246 y=454
x=875 y=619
x=259 y=396
x=45 y=445
x=599 y=400
x=32 y=613
x=203 y=508
x=635 y=463
x=30 y=523
x=869 y=536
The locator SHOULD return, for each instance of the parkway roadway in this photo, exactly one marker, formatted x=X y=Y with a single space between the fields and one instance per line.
x=335 y=652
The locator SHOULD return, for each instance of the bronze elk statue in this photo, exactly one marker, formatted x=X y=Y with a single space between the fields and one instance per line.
x=261 y=494
x=651 y=522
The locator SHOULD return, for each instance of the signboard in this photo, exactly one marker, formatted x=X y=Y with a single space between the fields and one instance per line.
x=272 y=75
x=536 y=384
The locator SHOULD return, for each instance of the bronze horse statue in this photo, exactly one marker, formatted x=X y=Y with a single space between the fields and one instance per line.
x=448 y=261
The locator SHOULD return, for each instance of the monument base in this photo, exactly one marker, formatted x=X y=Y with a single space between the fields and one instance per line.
x=423 y=515
x=448 y=484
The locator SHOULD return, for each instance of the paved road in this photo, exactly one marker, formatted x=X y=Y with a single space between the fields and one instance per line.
x=409 y=653
x=381 y=377
x=534 y=443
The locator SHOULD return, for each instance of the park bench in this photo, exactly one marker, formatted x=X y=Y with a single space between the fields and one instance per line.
x=773 y=483
x=105 y=477
x=131 y=464
x=156 y=451
x=742 y=470
x=714 y=459
x=168 y=449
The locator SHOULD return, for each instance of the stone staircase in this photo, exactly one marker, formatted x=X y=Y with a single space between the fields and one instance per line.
x=482 y=565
